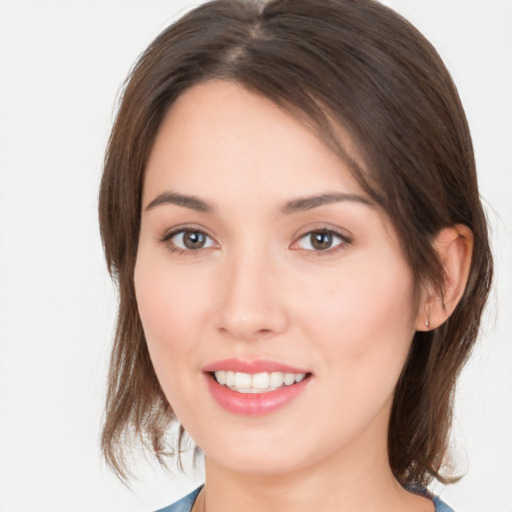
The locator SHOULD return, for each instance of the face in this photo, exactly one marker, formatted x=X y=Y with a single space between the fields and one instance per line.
x=275 y=300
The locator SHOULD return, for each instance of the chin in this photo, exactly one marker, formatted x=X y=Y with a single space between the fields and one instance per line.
x=263 y=455
x=258 y=464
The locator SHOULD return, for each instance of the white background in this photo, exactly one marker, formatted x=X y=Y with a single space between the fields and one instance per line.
x=61 y=66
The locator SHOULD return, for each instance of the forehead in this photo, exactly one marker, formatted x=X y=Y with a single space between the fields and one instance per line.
x=219 y=136
x=220 y=130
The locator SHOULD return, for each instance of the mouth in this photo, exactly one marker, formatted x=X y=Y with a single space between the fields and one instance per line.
x=255 y=388
x=263 y=382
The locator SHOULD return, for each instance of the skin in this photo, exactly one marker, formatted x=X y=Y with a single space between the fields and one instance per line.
x=258 y=289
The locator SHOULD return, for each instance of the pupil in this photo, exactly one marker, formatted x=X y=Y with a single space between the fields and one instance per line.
x=321 y=240
x=193 y=239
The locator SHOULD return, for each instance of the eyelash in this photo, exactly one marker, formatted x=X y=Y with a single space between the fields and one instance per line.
x=178 y=250
x=343 y=241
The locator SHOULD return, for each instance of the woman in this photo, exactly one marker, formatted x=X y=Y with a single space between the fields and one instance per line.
x=290 y=207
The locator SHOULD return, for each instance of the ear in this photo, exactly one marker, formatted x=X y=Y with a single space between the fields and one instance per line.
x=454 y=246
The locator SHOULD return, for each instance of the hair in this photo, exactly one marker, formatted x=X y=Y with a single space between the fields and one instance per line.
x=353 y=63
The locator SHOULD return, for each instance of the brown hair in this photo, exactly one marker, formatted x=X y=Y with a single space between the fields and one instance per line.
x=352 y=62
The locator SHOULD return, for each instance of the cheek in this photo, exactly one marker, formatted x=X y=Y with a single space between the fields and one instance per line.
x=172 y=315
x=363 y=318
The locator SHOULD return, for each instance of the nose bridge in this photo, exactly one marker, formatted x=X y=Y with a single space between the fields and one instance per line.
x=249 y=304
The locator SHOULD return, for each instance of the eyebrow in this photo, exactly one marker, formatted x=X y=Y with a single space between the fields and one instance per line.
x=294 y=206
x=187 y=201
x=308 y=203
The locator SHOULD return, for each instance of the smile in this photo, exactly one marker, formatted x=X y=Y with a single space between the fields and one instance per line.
x=256 y=383
x=254 y=388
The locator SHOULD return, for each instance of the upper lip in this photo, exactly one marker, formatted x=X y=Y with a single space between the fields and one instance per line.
x=257 y=366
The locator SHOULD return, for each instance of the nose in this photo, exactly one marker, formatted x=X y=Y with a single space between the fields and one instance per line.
x=250 y=303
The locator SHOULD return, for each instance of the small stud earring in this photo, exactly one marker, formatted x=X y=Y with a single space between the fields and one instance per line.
x=427 y=316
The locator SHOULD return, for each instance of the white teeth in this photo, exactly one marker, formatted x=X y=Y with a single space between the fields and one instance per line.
x=242 y=380
x=289 y=378
x=276 y=379
x=221 y=377
x=230 y=379
x=258 y=382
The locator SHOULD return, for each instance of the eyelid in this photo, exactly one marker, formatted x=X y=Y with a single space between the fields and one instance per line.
x=168 y=235
x=344 y=240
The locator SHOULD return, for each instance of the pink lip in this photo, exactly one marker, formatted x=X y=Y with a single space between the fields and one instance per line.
x=259 y=366
x=253 y=404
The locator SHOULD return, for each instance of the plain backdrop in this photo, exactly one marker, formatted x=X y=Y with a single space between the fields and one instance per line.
x=61 y=66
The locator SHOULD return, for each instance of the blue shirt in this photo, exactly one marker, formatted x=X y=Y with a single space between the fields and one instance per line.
x=186 y=503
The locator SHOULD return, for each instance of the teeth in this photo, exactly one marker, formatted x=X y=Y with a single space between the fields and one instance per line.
x=258 y=382
x=276 y=379
x=289 y=379
x=221 y=377
x=230 y=379
x=242 y=380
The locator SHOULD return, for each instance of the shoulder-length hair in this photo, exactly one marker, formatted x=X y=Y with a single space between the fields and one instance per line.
x=350 y=62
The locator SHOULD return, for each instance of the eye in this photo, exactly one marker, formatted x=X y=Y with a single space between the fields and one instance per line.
x=187 y=240
x=320 y=240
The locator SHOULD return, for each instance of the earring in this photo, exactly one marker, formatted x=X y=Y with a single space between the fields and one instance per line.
x=427 y=316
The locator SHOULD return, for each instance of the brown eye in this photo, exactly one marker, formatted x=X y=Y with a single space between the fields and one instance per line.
x=321 y=240
x=190 y=240
x=194 y=239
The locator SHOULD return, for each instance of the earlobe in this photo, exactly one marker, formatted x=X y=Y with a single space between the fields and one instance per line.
x=454 y=246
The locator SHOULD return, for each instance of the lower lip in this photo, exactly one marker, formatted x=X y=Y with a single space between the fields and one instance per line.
x=254 y=404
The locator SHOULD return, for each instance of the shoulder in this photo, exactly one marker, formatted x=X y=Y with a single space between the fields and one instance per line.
x=186 y=503
x=183 y=505
x=441 y=506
